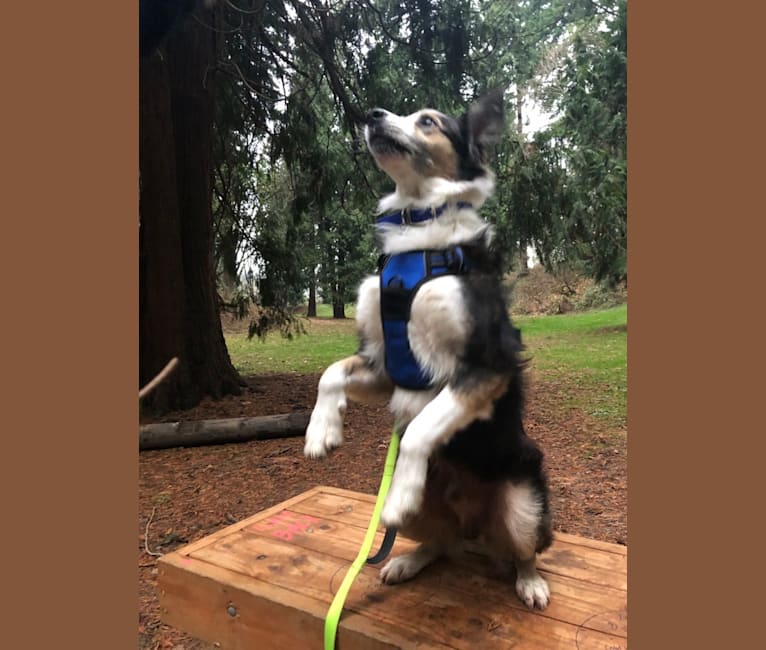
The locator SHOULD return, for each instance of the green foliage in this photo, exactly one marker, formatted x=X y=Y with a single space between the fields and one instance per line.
x=295 y=189
x=591 y=134
x=599 y=296
x=269 y=319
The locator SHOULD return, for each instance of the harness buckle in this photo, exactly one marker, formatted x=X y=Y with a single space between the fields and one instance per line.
x=407 y=216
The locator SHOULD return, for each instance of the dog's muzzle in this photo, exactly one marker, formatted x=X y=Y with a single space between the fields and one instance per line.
x=375 y=116
x=381 y=137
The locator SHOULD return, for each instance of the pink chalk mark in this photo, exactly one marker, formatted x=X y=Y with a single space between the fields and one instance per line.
x=285 y=525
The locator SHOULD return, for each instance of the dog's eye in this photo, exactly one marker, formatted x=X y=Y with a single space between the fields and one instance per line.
x=426 y=121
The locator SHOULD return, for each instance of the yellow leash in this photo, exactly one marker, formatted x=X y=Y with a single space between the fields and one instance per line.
x=333 y=614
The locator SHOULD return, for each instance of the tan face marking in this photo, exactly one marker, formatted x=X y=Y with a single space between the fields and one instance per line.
x=424 y=148
x=442 y=157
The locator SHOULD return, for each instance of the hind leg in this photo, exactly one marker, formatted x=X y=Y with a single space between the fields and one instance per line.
x=526 y=521
x=404 y=567
x=531 y=587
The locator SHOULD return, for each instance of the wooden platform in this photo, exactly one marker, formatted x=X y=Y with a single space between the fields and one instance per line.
x=266 y=582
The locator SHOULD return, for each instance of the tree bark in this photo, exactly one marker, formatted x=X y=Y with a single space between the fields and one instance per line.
x=179 y=310
x=311 y=311
x=216 y=432
x=523 y=260
x=162 y=291
x=338 y=308
x=339 y=290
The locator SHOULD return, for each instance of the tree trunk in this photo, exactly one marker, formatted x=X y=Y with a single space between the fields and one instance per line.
x=520 y=92
x=339 y=290
x=162 y=291
x=523 y=260
x=311 y=312
x=338 y=308
x=179 y=311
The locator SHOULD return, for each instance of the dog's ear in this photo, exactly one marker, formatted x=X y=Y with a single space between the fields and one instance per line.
x=483 y=123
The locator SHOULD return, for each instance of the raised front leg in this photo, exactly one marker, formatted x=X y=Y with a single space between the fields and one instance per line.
x=451 y=410
x=352 y=378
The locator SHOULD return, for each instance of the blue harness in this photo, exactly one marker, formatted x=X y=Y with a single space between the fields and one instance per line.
x=401 y=275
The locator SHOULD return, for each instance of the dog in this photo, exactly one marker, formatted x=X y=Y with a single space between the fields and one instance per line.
x=466 y=468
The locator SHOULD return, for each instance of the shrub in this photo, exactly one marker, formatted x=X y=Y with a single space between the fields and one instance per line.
x=538 y=292
x=600 y=296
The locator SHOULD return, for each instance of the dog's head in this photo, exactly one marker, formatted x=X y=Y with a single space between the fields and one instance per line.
x=429 y=152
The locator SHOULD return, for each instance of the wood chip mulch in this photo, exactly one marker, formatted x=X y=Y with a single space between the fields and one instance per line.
x=191 y=492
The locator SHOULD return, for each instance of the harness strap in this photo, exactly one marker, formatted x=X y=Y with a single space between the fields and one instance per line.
x=336 y=607
x=401 y=276
x=409 y=216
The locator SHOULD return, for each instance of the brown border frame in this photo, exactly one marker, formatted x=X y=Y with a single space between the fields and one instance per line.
x=691 y=191
x=70 y=275
x=70 y=262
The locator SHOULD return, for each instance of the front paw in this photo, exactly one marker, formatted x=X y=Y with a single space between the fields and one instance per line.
x=324 y=432
x=401 y=504
x=400 y=569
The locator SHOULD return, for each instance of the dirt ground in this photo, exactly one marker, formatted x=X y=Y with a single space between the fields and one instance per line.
x=185 y=494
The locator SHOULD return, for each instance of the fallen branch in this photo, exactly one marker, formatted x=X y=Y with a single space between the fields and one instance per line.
x=169 y=367
x=216 y=432
x=146 y=535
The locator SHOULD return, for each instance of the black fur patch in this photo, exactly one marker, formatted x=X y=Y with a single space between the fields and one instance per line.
x=471 y=133
x=494 y=344
x=497 y=449
x=469 y=166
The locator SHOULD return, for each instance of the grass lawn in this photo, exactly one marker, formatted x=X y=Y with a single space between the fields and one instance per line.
x=327 y=340
x=585 y=353
x=325 y=311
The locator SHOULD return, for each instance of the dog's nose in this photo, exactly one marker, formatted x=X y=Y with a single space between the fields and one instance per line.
x=376 y=115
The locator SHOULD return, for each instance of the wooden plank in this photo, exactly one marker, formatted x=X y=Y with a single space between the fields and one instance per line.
x=580 y=604
x=196 y=597
x=351 y=494
x=444 y=616
x=586 y=564
x=619 y=549
x=275 y=566
x=334 y=507
x=573 y=602
x=263 y=514
x=567 y=557
x=332 y=538
x=280 y=569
